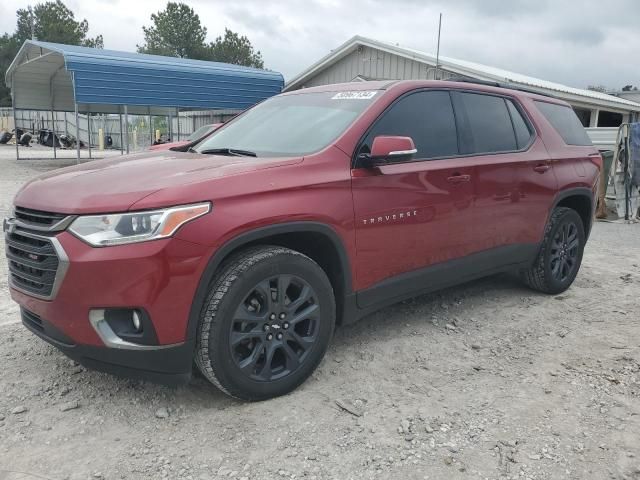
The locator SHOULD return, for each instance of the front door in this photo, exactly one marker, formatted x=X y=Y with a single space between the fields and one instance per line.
x=414 y=214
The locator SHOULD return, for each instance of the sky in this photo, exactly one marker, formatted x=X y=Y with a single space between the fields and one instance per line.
x=575 y=42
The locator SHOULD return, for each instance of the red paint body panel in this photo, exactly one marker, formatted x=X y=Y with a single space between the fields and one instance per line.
x=152 y=275
x=390 y=220
x=410 y=216
x=168 y=145
x=182 y=143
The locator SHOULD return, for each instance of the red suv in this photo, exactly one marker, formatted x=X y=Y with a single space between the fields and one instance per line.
x=310 y=210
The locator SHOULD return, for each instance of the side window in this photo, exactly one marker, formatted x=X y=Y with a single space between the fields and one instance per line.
x=520 y=126
x=489 y=123
x=427 y=117
x=565 y=121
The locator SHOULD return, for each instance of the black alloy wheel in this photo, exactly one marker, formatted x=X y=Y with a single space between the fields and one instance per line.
x=274 y=327
x=563 y=256
x=266 y=322
x=558 y=260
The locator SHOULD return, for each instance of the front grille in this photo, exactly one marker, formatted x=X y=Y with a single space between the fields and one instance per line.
x=33 y=262
x=37 y=217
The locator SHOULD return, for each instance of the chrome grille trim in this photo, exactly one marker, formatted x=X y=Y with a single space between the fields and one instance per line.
x=46 y=221
x=22 y=267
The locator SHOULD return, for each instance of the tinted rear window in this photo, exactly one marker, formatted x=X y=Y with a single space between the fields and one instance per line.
x=566 y=123
x=489 y=123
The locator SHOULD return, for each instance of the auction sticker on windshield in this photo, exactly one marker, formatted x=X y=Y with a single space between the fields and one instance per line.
x=354 y=95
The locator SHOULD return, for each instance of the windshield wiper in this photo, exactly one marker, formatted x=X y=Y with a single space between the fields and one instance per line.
x=229 y=151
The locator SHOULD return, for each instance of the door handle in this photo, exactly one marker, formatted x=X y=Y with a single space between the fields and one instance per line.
x=541 y=168
x=457 y=178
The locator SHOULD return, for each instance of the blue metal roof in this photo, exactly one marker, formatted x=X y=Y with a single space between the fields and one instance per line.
x=108 y=77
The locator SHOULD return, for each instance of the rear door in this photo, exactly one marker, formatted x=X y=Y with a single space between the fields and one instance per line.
x=502 y=145
x=418 y=213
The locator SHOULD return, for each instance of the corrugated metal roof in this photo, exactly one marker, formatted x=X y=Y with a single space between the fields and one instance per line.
x=470 y=69
x=102 y=80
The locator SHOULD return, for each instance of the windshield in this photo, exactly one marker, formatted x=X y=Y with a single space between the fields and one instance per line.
x=291 y=125
x=199 y=133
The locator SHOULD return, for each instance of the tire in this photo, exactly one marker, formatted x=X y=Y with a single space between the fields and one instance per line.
x=251 y=343
x=560 y=255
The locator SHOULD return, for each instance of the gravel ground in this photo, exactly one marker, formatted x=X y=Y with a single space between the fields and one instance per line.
x=487 y=380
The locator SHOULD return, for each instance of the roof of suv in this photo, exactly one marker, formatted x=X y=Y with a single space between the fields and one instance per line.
x=350 y=86
x=405 y=85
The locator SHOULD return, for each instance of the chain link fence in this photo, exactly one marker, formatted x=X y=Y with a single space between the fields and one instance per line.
x=140 y=131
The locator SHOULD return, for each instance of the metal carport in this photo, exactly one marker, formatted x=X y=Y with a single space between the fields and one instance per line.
x=55 y=77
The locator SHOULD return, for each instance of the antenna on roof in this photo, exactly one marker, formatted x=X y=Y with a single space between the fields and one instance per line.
x=438 y=49
x=33 y=24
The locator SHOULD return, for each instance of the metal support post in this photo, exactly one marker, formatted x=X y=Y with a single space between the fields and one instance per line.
x=126 y=126
x=15 y=119
x=77 y=134
x=53 y=129
x=178 y=117
x=89 y=132
x=121 y=137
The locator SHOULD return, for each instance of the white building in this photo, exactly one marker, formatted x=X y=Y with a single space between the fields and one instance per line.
x=361 y=59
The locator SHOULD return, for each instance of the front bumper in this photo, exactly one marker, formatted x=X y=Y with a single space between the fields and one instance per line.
x=171 y=365
x=159 y=277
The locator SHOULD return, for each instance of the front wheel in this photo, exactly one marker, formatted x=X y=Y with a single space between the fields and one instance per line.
x=560 y=256
x=266 y=323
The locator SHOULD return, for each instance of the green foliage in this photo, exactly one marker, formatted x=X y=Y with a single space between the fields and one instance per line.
x=176 y=32
x=597 y=88
x=54 y=22
x=236 y=49
x=9 y=47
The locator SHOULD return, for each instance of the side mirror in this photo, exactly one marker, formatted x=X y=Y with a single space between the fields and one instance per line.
x=388 y=149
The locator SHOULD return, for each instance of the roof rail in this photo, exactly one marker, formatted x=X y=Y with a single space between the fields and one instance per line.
x=490 y=83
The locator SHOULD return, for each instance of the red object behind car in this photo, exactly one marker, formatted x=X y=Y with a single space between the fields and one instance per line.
x=199 y=134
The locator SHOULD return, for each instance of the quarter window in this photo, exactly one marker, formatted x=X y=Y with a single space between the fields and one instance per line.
x=520 y=126
x=565 y=121
x=426 y=117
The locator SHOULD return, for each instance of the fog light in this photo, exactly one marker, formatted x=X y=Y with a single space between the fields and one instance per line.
x=137 y=324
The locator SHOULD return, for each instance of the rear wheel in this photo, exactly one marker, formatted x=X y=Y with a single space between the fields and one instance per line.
x=266 y=323
x=560 y=256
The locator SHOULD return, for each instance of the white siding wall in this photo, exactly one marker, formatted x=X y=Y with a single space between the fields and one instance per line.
x=375 y=65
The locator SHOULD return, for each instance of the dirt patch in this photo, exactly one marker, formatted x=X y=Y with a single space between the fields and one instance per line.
x=486 y=380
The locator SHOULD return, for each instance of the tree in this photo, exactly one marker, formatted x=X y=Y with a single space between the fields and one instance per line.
x=176 y=32
x=54 y=22
x=9 y=47
x=51 y=22
x=236 y=49
x=597 y=88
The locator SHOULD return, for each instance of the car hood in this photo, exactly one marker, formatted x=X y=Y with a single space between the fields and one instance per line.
x=167 y=146
x=116 y=184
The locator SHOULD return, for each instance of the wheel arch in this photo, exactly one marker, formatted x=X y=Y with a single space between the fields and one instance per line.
x=582 y=201
x=317 y=240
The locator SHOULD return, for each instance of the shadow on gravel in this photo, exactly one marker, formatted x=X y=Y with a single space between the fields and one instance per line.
x=417 y=311
x=412 y=314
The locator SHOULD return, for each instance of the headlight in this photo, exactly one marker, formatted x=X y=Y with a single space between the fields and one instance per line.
x=116 y=229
